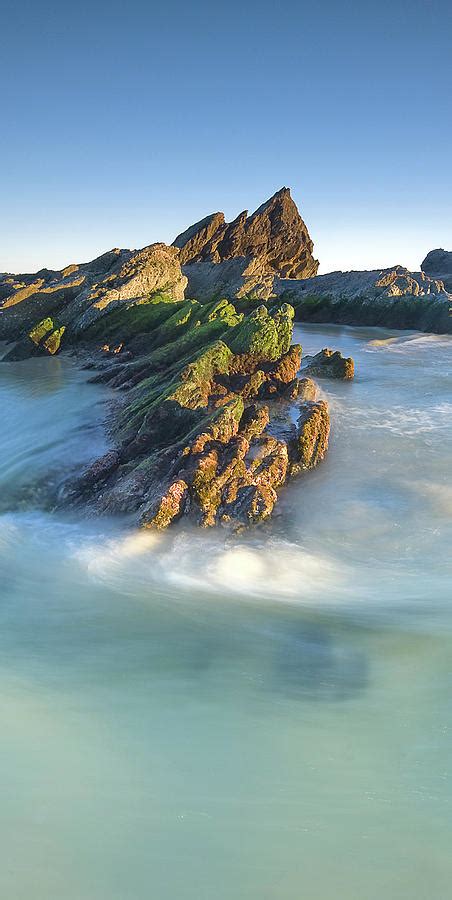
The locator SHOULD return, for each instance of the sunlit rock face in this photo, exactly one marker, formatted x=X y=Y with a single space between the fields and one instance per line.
x=78 y=295
x=243 y=256
x=372 y=285
x=438 y=264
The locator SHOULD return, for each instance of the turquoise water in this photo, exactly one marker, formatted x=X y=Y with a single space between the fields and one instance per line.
x=269 y=717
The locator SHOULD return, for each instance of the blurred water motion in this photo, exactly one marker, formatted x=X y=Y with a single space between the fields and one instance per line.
x=192 y=715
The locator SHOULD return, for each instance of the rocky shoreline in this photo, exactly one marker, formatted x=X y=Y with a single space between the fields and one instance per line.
x=213 y=416
x=205 y=428
x=390 y=298
x=217 y=409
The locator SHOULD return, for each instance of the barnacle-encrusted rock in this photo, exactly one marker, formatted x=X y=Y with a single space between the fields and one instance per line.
x=311 y=443
x=171 y=506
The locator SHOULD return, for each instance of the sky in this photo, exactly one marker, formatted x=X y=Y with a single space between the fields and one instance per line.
x=124 y=122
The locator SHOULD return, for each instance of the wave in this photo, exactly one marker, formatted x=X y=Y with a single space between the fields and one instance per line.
x=406 y=342
x=401 y=420
x=277 y=569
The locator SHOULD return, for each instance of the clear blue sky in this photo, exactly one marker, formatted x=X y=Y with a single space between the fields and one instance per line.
x=122 y=123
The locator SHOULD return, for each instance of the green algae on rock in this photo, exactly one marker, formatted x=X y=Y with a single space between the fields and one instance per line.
x=263 y=336
x=41 y=330
x=194 y=437
x=195 y=432
x=52 y=343
x=43 y=338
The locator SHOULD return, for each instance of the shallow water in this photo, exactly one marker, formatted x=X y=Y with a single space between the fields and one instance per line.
x=193 y=716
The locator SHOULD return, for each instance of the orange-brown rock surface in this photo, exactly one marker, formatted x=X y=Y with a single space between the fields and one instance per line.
x=275 y=234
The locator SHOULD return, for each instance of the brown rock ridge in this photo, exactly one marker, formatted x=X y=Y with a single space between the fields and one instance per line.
x=275 y=234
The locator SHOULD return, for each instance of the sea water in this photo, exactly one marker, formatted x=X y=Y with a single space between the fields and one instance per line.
x=193 y=716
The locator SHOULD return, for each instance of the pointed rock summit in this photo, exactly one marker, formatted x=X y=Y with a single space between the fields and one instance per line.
x=274 y=234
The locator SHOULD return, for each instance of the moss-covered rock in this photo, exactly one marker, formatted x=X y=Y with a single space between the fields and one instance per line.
x=194 y=438
x=52 y=343
x=41 y=330
x=193 y=389
x=221 y=425
x=262 y=336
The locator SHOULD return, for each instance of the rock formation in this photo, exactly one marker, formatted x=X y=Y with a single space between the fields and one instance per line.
x=329 y=364
x=242 y=257
x=33 y=307
x=206 y=429
x=391 y=297
x=438 y=264
x=212 y=417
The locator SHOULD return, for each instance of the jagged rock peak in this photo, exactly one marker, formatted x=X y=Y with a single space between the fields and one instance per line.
x=275 y=234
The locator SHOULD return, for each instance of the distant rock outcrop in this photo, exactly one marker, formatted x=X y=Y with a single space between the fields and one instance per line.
x=393 y=298
x=250 y=251
x=438 y=264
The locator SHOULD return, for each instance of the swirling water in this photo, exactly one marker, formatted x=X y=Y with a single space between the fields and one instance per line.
x=194 y=716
